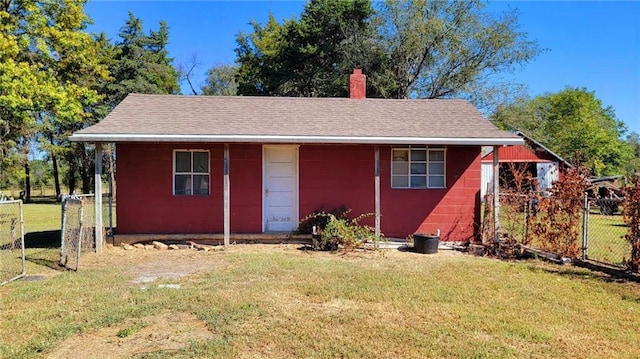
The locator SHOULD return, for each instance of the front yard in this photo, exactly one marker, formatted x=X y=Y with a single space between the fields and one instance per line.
x=277 y=301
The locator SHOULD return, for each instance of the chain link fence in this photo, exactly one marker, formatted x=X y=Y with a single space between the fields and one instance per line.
x=525 y=221
x=605 y=241
x=12 y=259
x=515 y=216
x=599 y=235
x=78 y=229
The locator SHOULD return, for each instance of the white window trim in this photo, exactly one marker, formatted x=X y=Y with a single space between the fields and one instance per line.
x=444 y=165
x=428 y=149
x=173 y=179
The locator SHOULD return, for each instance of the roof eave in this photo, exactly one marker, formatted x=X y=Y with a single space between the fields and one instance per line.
x=560 y=159
x=470 y=141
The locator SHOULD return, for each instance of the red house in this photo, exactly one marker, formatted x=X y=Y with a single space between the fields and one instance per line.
x=251 y=165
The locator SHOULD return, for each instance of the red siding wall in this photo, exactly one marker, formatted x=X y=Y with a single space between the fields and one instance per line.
x=245 y=174
x=454 y=210
x=518 y=154
x=146 y=203
x=329 y=176
x=334 y=175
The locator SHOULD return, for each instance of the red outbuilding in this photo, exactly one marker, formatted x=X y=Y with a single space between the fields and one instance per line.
x=532 y=157
x=248 y=165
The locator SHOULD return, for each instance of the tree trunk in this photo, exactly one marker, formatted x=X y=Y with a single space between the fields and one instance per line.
x=86 y=182
x=112 y=169
x=71 y=175
x=56 y=172
x=27 y=182
x=86 y=169
x=56 y=176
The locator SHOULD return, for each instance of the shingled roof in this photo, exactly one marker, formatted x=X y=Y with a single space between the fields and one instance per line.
x=294 y=120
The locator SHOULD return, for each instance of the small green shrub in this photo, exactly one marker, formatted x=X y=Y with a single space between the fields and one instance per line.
x=319 y=219
x=337 y=231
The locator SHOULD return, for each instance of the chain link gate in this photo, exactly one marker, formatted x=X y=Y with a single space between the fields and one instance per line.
x=12 y=259
x=78 y=229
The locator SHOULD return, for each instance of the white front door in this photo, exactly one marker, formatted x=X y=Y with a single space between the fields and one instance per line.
x=280 y=188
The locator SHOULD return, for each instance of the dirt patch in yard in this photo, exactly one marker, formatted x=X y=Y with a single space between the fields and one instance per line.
x=147 y=266
x=165 y=332
x=169 y=332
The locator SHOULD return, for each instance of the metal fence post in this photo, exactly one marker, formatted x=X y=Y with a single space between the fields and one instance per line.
x=80 y=234
x=496 y=198
x=111 y=234
x=525 y=231
x=63 y=253
x=12 y=262
x=24 y=261
x=585 y=227
x=99 y=227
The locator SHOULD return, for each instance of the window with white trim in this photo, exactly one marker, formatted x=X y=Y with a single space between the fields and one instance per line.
x=418 y=167
x=191 y=173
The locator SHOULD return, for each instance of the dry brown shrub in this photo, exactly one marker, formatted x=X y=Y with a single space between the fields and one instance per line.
x=631 y=215
x=556 y=227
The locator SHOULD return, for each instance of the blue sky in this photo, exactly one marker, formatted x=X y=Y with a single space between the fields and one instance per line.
x=591 y=44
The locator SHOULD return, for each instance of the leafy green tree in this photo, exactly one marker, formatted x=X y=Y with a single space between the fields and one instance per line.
x=141 y=63
x=633 y=166
x=446 y=48
x=312 y=56
x=47 y=54
x=413 y=48
x=257 y=54
x=138 y=62
x=524 y=114
x=25 y=84
x=54 y=76
x=81 y=64
x=221 y=81
x=77 y=156
x=574 y=124
x=41 y=173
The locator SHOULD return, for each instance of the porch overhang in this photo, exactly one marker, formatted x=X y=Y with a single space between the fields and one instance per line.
x=440 y=141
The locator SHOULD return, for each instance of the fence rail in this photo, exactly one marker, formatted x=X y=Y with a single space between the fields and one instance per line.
x=19 y=193
x=12 y=257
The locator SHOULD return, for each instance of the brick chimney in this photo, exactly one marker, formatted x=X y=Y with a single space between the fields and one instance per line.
x=357 y=85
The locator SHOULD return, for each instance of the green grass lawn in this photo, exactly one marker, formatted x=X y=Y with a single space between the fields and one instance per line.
x=42 y=221
x=39 y=217
x=606 y=239
x=280 y=302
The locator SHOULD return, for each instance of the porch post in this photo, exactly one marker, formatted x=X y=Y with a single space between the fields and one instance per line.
x=377 y=190
x=97 y=192
x=496 y=196
x=227 y=208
